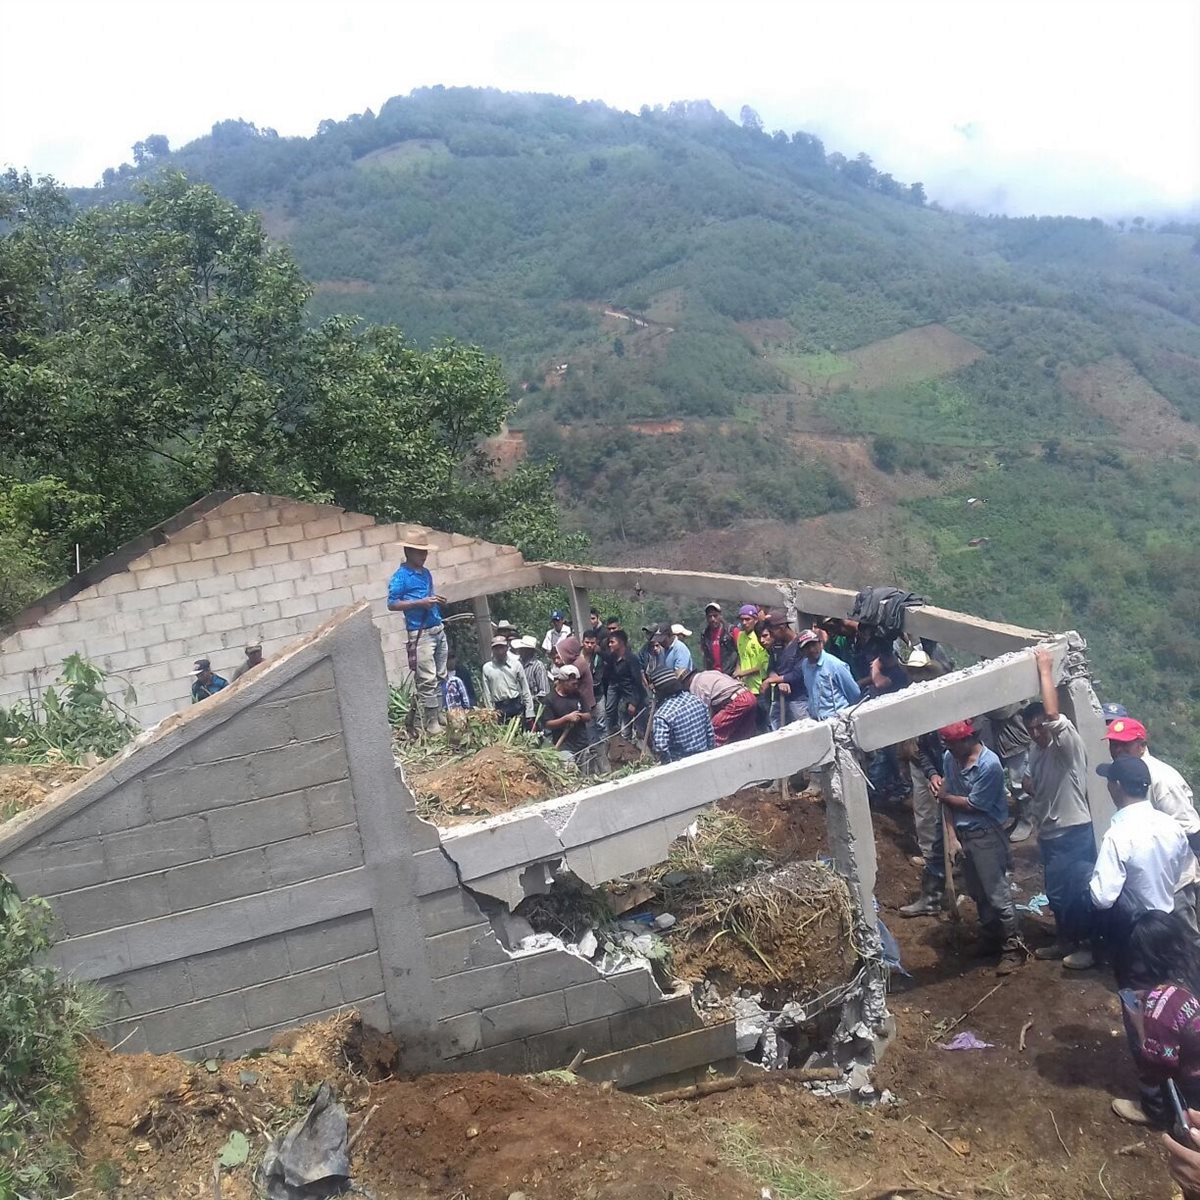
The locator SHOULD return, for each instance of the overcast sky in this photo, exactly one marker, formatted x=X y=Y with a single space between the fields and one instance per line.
x=1015 y=106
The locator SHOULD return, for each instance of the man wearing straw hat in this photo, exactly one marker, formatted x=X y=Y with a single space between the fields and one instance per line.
x=411 y=592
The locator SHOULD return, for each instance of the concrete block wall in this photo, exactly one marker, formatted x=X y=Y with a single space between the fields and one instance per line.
x=244 y=568
x=256 y=861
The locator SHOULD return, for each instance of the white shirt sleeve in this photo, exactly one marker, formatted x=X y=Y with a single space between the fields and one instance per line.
x=1108 y=877
x=1174 y=797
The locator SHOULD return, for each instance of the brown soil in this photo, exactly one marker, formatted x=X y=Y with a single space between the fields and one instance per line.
x=23 y=787
x=790 y=931
x=1115 y=391
x=162 y=1121
x=493 y=780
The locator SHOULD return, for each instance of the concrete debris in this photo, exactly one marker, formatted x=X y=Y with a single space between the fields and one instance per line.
x=752 y=1022
x=664 y=921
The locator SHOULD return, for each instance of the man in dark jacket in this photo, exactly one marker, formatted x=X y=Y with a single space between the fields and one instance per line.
x=717 y=643
x=786 y=679
x=625 y=696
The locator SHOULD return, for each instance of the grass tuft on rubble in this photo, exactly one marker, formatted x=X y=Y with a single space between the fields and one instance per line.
x=43 y=1016
x=723 y=852
x=787 y=1177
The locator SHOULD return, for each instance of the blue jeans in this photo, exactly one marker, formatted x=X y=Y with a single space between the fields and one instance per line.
x=1068 y=860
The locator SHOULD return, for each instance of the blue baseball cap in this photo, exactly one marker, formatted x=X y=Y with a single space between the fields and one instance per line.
x=1113 y=712
x=1129 y=773
x=558 y=615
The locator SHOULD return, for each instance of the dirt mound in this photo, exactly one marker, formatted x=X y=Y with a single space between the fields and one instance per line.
x=493 y=780
x=25 y=786
x=786 y=928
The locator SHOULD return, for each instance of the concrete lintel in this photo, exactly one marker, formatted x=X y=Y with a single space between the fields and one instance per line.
x=955 y=697
x=492 y=855
x=698 y=584
x=490 y=585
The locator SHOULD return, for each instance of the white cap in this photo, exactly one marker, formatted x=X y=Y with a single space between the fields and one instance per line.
x=528 y=642
x=712 y=604
x=567 y=672
x=499 y=641
x=680 y=630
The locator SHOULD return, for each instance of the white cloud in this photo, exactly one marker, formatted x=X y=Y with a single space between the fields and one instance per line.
x=1071 y=106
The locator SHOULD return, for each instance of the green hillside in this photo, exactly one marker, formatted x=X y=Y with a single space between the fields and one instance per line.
x=709 y=326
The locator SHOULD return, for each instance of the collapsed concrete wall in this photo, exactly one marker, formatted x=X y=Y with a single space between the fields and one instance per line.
x=230 y=570
x=257 y=861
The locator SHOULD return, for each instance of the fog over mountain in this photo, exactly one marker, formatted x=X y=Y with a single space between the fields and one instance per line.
x=1070 y=108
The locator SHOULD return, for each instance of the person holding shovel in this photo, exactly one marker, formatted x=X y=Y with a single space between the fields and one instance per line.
x=564 y=719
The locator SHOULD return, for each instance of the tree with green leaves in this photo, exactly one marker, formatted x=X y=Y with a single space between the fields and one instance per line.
x=157 y=349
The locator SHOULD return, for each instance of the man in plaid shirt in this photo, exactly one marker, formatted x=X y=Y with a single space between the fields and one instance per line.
x=681 y=726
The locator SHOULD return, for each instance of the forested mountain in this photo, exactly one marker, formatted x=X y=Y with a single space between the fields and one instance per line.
x=745 y=351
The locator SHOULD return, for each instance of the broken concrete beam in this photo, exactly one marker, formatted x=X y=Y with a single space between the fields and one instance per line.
x=617 y=828
x=697 y=584
x=1083 y=707
x=955 y=697
x=499 y=581
x=696 y=1048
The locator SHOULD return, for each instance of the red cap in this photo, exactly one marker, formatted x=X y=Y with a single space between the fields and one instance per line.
x=959 y=731
x=1125 y=729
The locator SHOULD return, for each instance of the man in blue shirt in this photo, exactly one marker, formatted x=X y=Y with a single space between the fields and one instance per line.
x=681 y=726
x=411 y=592
x=669 y=648
x=974 y=790
x=204 y=682
x=827 y=680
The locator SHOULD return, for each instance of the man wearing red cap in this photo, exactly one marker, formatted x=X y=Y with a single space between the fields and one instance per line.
x=1170 y=794
x=974 y=788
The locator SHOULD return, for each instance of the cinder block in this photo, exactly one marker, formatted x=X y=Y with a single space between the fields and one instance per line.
x=435 y=872
x=296 y=606
x=325 y=564
x=238 y=967
x=334 y=598
x=476 y=990
x=111 y=905
x=139 y=603
x=360 y=976
x=197 y=569
x=100 y=647
x=612 y=994
x=330 y=804
x=153 y=577
x=318 y=678
x=379 y=535
x=223 y=622
x=129 y=1035
x=628 y=1066
x=295 y=996
x=281 y=534
x=460 y=1035
x=508 y=1059
x=37 y=637
x=331 y=941
x=169 y=555
x=183 y=789
x=200 y=884
x=463 y=949
x=451 y=909
x=259 y=727
x=452 y=556
x=216 y=547
x=252 y=539
x=313 y=716
x=40 y=870
x=19 y=661
x=314 y=855
x=270 y=556
x=353 y=520
x=307 y=764
x=262 y=518
x=64 y=614
x=364 y=556
x=322 y=527
x=351 y=577
x=289 y=572
x=121 y=581
x=217 y=584
x=286 y=628
x=124 y=807
x=203 y=1022
x=150 y=989
x=556 y=1047
x=350 y=540
x=222 y=526
x=552 y=971
x=523 y=1018
x=257 y=822
x=275 y=591
x=240 y=598
x=201 y=607
x=664 y=1019
x=156 y=847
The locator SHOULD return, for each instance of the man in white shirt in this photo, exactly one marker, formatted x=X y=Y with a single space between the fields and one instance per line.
x=1143 y=855
x=1169 y=794
x=558 y=630
x=505 y=687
